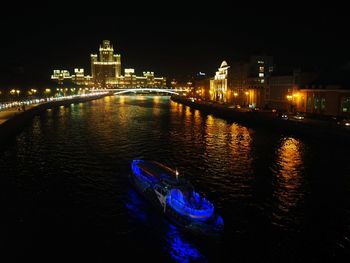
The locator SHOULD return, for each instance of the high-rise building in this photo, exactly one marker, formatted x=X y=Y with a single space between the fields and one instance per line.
x=106 y=73
x=218 y=85
x=260 y=69
x=106 y=68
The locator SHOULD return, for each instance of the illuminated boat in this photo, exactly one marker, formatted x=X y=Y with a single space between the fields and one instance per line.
x=175 y=197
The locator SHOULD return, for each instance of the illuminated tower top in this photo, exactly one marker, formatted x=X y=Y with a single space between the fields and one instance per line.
x=106 y=52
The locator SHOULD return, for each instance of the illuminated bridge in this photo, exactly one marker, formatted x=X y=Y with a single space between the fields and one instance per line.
x=142 y=90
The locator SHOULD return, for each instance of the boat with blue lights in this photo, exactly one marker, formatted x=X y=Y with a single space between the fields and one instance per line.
x=175 y=197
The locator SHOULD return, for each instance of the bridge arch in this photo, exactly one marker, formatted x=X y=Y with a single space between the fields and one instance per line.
x=146 y=89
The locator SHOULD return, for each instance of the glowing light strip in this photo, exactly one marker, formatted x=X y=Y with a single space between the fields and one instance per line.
x=141 y=90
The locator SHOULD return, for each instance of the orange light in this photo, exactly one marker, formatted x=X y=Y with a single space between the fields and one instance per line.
x=235 y=94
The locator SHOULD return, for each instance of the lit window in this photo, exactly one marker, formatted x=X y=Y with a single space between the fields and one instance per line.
x=261 y=69
x=345 y=104
x=261 y=75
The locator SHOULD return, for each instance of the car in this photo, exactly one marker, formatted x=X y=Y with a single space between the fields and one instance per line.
x=344 y=122
x=235 y=107
x=284 y=116
x=298 y=116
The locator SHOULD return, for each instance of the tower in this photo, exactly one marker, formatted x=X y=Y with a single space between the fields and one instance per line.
x=105 y=68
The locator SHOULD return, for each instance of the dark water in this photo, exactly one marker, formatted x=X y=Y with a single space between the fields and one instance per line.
x=65 y=194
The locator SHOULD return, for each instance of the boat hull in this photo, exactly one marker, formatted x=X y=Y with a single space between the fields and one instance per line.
x=211 y=227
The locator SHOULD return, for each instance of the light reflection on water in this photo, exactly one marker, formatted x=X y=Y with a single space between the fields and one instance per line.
x=289 y=178
x=173 y=242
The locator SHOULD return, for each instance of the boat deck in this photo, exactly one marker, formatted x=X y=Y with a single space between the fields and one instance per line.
x=156 y=169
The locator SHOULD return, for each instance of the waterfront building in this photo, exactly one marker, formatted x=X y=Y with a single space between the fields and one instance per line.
x=325 y=100
x=247 y=83
x=283 y=87
x=201 y=83
x=260 y=69
x=218 y=85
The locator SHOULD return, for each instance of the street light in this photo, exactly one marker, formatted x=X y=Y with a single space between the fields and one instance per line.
x=247 y=94
x=290 y=100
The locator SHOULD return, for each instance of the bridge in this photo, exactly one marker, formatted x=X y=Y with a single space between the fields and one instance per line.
x=137 y=90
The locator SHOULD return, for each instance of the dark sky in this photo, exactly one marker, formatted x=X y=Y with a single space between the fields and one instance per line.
x=175 y=46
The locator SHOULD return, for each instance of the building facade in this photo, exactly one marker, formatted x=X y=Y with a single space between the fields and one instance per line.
x=329 y=101
x=105 y=68
x=260 y=69
x=148 y=80
x=283 y=89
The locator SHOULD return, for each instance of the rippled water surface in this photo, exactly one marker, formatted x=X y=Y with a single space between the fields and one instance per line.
x=65 y=193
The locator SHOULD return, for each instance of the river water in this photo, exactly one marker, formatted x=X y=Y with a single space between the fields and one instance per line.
x=65 y=193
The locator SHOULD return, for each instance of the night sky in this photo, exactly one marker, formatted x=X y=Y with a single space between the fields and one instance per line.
x=174 y=46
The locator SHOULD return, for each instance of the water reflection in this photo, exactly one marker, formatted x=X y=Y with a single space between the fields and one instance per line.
x=156 y=105
x=122 y=118
x=175 y=245
x=288 y=170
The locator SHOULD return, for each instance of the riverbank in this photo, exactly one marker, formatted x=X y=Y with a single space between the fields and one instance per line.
x=315 y=129
x=12 y=121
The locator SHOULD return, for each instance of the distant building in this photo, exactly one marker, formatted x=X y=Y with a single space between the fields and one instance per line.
x=106 y=73
x=218 y=85
x=106 y=68
x=64 y=77
x=61 y=75
x=260 y=69
x=79 y=78
x=130 y=80
x=201 y=83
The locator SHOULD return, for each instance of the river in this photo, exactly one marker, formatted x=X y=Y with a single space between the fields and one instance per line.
x=65 y=192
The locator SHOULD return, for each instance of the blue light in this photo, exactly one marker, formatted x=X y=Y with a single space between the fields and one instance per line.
x=195 y=207
x=134 y=206
x=139 y=173
x=180 y=250
x=174 y=244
